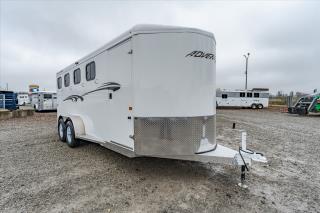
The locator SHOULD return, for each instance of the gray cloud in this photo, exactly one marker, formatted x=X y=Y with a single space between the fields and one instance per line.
x=39 y=38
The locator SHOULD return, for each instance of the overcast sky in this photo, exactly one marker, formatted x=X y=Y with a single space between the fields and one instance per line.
x=39 y=38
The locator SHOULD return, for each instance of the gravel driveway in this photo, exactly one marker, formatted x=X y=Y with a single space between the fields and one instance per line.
x=40 y=174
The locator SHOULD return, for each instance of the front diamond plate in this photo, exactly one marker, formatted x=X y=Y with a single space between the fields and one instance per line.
x=172 y=136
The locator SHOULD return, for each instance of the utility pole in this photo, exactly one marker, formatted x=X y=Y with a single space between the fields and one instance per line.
x=247 y=58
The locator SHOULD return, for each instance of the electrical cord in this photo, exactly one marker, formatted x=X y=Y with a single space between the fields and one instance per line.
x=251 y=152
x=245 y=164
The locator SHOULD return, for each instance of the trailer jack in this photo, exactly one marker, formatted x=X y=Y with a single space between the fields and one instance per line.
x=243 y=178
x=246 y=155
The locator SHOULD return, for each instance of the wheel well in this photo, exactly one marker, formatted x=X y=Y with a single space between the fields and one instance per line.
x=77 y=123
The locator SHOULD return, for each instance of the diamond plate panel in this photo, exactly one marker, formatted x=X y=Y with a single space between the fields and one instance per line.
x=172 y=136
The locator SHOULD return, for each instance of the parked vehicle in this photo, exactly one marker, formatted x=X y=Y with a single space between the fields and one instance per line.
x=44 y=101
x=23 y=98
x=8 y=100
x=305 y=105
x=257 y=98
x=148 y=92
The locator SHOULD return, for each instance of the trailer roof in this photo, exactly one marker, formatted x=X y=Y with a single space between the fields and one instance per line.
x=151 y=28
x=49 y=92
x=139 y=29
x=6 y=91
x=243 y=90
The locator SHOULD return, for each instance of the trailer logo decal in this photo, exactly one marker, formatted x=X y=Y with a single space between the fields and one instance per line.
x=201 y=54
x=106 y=86
x=74 y=98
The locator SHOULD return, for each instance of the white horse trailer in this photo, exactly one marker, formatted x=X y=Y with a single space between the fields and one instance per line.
x=44 y=101
x=148 y=92
x=256 y=98
x=23 y=98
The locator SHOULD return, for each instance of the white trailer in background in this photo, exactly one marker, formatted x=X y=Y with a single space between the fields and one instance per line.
x=257 y=98
x=148 y=92
x=44 y=101
x=23 y=98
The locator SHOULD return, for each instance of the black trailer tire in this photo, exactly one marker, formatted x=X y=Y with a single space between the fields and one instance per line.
x=70 y=136
x=303 y=111
x=62 y=132
x=260 y=106
x=253 y=106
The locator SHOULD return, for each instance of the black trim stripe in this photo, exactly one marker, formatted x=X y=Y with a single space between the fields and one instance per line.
x=105 y=86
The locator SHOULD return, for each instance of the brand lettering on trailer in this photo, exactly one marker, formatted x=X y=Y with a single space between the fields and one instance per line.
x=201 y=54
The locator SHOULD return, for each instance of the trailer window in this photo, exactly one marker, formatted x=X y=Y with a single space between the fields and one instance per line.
x=90 y=71
x=67 y=80
x=256 y=95
x=249 y=95
x=76 y=76
x=224 y=96
x=59 y=81
x=242 y=94
x=47 y=96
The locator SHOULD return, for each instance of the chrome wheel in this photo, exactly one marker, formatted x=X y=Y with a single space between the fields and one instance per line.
x=60 y=131
x=69 y=134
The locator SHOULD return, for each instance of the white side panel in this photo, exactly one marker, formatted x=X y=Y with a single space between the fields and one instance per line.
x=241 y=102
x=167 y=82
x=105 y=119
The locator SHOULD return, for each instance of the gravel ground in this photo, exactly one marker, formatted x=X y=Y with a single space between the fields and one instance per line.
x=40 y=174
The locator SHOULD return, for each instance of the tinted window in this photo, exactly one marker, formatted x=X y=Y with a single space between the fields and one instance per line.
x=224 y=96
x=47 y=96
x=90 y=71
x=264 y=95
x=76 y=76
x=59 y=81
x=242 y=94
x=256 y=95
x=67 y=80
x=249 y=95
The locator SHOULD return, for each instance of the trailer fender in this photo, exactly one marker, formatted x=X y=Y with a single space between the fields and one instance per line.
x=78 y=125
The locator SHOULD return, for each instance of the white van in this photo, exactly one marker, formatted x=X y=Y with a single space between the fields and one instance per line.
x=148 y=92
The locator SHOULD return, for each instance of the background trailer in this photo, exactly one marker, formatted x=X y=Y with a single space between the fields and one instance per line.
x=8 y=100
x=257 y=98
x=148 y=92
x=23 y=98
x=44 y=101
